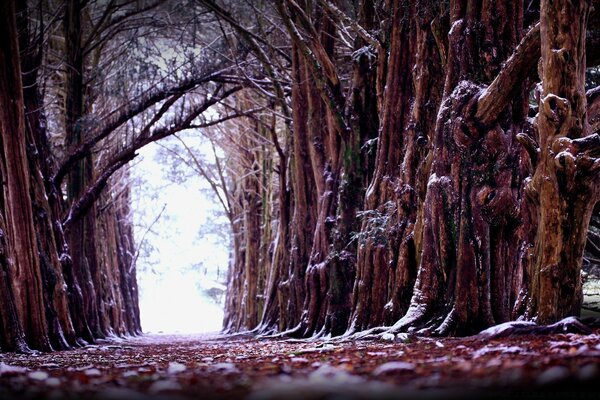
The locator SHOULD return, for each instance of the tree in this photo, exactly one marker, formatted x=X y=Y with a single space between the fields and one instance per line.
x=564 y=185
x=68 y=113
x=25 y=273
x=456 y=210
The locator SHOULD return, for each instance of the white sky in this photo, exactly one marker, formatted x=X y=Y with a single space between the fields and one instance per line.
x=171 y=295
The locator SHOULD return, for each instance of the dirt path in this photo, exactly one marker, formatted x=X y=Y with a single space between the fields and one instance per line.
x=210 y=366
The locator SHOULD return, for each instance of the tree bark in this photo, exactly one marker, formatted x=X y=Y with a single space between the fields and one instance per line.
x=564 y=185
x=470 y=209
x=26 y=273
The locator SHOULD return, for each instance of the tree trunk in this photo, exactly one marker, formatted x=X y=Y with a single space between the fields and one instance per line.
x=471 y=217
x=12 y=337
x=565 y=186
x=81 y=234
x=380 y=242
x=26 y=274
x=61 y=330
x=470 y=209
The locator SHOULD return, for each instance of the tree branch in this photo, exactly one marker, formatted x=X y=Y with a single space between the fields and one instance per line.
x=362 y=32
x=91 y=194
x=497 y=95
x=141 y=242
x=254 y=40
x=495 y=98
x=326 y=78
x=85 y=202
x=119 y=118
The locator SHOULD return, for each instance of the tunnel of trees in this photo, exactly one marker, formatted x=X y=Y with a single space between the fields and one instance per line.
x=390 y=164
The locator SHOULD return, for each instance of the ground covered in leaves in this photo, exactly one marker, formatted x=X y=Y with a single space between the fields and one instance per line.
x=211 y=366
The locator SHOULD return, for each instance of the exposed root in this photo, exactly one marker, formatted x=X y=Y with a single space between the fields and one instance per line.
x=369 y=334
x=566 y=325
x=411 y=321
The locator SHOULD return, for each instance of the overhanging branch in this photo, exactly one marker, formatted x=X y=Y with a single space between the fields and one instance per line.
x=119 y=118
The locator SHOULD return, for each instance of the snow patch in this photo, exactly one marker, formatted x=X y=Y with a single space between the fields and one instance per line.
x=299 y=360
x=92 y=372
x=499 y=349
x=455 y=27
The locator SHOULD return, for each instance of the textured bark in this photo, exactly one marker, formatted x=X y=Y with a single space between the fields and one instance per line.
x=43 y=304
x=233 y=313
x=12 y=337
x=251 y=212
x=61 y=330
x=470 y=208
x=323 y=113
x=82 y=233
x=306 y=160
x=272 y=319
x=26 y=274
x=452 y=227
x=387 y=254
x=117 y=292
x=564 y=186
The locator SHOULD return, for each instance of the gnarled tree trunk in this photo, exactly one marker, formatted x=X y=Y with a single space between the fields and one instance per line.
x=564 y=187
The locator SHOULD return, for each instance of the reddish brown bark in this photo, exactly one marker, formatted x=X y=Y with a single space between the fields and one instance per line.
x=61 y=331
x=387 y=255
x=26 y=276
x=470 y=208
x=12 y=337
x=564 y=187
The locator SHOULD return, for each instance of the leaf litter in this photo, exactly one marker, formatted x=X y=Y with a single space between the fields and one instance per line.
x=222 y=367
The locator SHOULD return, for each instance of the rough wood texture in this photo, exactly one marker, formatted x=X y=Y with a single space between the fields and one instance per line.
x=564 y=185
x=448 y=229
x=25 y=273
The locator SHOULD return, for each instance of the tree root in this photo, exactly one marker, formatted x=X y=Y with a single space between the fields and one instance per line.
x=516 y=328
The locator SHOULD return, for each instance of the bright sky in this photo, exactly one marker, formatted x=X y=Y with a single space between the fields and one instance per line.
x=173 y=295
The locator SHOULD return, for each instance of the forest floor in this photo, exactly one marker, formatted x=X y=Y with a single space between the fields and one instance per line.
x=223 y=367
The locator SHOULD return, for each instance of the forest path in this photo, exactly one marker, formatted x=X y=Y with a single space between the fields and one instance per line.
x=210 y=366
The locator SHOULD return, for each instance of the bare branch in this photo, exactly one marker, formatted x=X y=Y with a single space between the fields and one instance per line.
x=143 y=239
x=254 y=41
x=119 y=118
x=342 y=17
x=91 y=194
